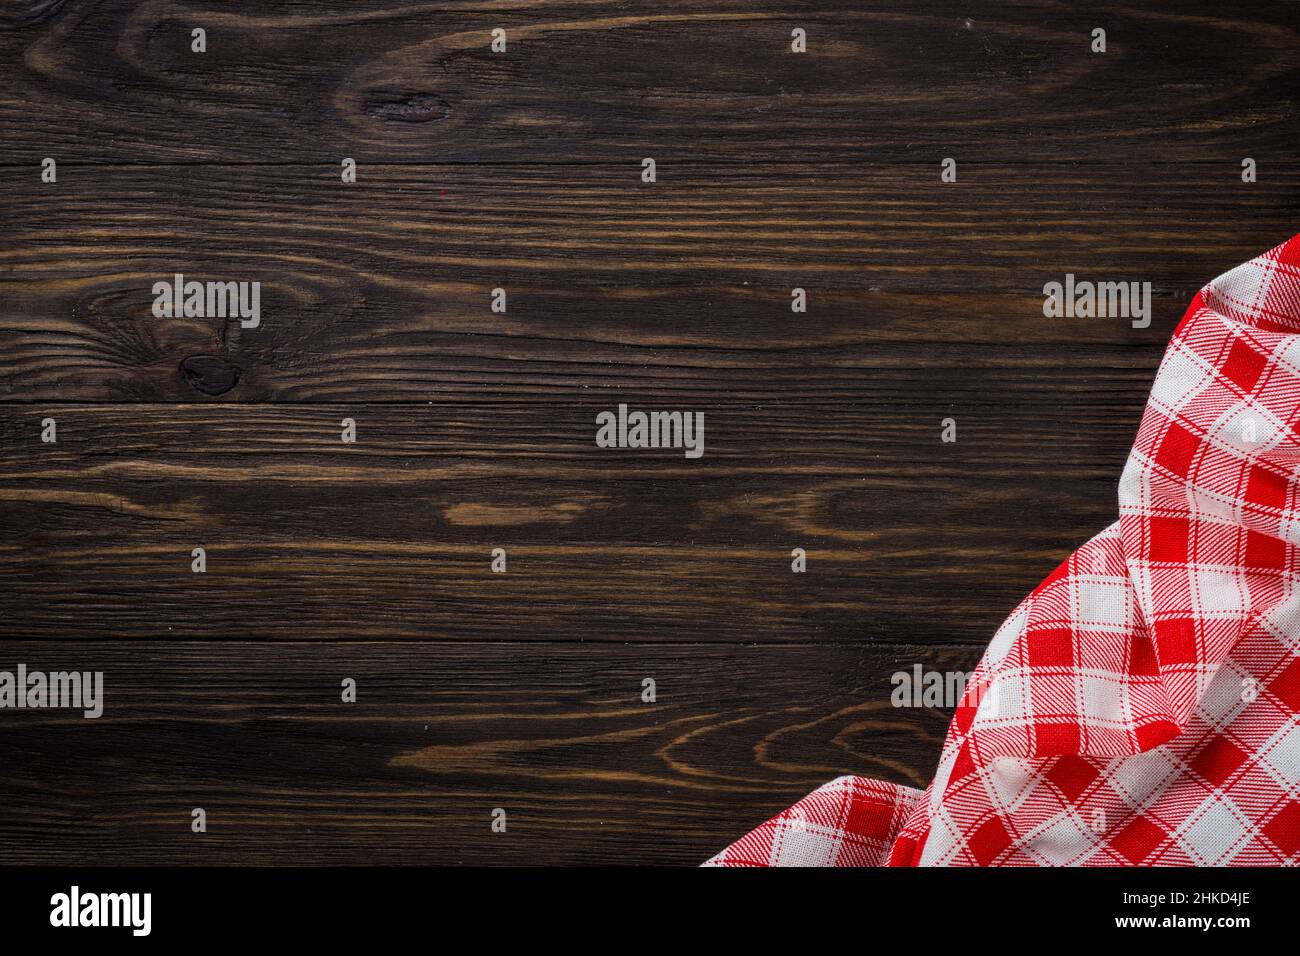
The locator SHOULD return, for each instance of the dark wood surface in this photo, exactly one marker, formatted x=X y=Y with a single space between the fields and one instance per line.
x=440 y=736
x=475 y=430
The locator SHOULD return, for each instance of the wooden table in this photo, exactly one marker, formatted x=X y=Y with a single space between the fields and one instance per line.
x=522 y=170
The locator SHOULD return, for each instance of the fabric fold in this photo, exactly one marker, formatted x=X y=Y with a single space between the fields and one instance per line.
x=1140 y=706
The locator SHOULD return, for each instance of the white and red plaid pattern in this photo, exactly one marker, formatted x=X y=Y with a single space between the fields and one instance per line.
x=1140 y=706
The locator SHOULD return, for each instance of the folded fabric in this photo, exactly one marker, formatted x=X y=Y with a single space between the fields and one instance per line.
x=1140 y=706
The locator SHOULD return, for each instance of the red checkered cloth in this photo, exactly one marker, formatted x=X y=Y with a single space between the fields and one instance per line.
x=1140 y=706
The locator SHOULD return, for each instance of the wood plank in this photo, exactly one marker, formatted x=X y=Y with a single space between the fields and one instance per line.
x=391 y=537
x=614 y=81
x=381 y=291
x=439 y=736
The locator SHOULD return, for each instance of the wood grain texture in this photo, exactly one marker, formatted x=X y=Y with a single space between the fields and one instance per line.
x=391 y=537
x=475 y=429
x=440 y=735
x=677 y=290
x=602 y=81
